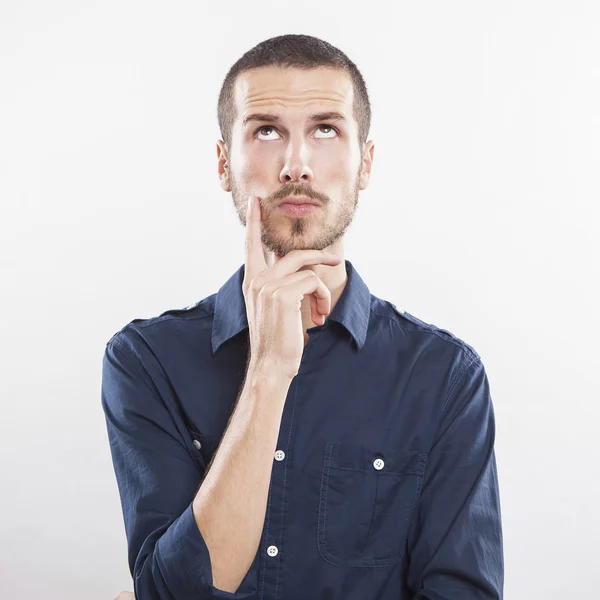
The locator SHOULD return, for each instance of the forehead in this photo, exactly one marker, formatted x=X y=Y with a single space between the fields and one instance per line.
x=322 y=88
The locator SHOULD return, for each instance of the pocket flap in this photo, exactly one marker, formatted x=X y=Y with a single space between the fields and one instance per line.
x=360 y=457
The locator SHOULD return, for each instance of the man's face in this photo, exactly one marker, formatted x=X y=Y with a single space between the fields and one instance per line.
x=296 y=155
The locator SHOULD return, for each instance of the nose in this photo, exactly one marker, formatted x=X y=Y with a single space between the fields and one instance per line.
x=296 y=166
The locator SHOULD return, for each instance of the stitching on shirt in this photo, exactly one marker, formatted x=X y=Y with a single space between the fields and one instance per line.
x=121 y=349
x=366 y=540
x=490 y=455
x=459 y=375
x=285 y=467
x=428 y=328
x=263 y=571
x=383 y=474
x=321 y=533
x=143 y=323
x=326 y=473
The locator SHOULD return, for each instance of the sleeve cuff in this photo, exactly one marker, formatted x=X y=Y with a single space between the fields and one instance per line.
x=184 y=558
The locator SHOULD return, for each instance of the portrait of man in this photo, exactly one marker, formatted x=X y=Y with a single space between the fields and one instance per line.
x=294 y=436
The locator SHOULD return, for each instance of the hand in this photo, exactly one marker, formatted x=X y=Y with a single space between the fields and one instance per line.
x=125 y=596
x=273 y=296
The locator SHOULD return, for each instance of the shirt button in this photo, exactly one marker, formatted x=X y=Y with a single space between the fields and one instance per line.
x=197 y=444
x=272 y=550
x=378 y=464
x=279 y=455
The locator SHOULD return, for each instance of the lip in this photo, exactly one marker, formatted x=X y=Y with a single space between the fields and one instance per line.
x=298 y=200
x=297 y=210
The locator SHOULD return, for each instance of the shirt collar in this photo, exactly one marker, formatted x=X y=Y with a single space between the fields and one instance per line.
x=352 y=309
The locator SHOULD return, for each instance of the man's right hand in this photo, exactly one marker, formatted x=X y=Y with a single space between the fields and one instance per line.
x=274 y=294
x=125 y=596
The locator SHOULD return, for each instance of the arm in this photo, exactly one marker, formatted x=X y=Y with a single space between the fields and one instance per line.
x=185 y=541
x=231 y=504
x=455 y=541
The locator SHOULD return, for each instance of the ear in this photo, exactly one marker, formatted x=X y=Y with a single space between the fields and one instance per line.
x=223 y=165
x=367 y=164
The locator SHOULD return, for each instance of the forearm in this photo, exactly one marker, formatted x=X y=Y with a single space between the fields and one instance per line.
x=230 y=505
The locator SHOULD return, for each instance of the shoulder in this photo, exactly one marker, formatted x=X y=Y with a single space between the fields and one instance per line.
x=412 y=325
x=169 y=323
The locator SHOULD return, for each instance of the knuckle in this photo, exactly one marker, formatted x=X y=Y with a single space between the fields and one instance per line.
x=275 y=294
x=264 y=294
x=254 y=286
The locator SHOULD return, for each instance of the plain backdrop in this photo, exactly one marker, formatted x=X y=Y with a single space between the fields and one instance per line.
x=482 y=218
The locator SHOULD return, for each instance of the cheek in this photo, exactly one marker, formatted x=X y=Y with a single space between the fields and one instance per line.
x=251 y=167
x=249 y=173
x=336 y=172
x=335 y=166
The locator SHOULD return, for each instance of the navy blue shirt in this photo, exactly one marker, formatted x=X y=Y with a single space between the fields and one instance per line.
x=384 y=483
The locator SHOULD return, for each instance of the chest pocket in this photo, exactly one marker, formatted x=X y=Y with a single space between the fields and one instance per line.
x=366 y=503
x=203 y=447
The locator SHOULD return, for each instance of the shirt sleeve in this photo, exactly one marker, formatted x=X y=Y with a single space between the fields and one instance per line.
x=157 y=478
x=455 y=541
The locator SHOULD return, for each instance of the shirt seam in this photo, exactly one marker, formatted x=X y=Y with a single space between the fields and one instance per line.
x=143 y=323
x=121 y=349
x=453 y=385
x=457 y=343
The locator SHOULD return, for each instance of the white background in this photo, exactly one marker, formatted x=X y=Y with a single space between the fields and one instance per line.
x=482 y=218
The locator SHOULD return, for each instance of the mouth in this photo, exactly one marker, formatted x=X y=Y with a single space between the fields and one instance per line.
x=298 y=210
x=299 y=200
x=298 y=206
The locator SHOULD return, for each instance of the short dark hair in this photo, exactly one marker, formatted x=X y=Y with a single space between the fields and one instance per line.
x=300 y=52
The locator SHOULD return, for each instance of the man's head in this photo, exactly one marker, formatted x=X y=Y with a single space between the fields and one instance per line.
x=296 y=79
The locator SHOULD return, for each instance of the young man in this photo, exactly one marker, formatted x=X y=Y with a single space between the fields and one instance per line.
x=293 y=436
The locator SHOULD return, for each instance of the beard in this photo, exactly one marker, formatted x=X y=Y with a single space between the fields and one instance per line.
x=283 y=233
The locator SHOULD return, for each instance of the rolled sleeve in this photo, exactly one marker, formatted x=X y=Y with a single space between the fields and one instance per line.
x=157 y=478
x=455 y=541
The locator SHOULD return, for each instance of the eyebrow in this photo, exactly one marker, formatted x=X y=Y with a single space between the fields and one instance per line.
x=271 y=118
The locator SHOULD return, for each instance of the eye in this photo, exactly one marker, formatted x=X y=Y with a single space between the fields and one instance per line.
x=327 y=127
x=264 y=127
x=322 y=125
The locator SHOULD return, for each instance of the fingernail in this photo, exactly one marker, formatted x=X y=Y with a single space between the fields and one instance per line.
x=249 y=204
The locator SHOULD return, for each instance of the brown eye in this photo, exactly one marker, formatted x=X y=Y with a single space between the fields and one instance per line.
x=324 y=126
x=268 y=127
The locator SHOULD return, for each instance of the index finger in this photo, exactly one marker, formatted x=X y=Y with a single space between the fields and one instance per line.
x=255 y=257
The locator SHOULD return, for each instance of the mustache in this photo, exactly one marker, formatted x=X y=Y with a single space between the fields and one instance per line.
x=284 y=192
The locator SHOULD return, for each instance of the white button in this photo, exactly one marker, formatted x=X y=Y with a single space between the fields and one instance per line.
x=279 y=455
x=197 y=444
x=378 y=464
x=272 y=551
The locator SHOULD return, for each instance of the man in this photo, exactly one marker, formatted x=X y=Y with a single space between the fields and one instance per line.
x=293 y=436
